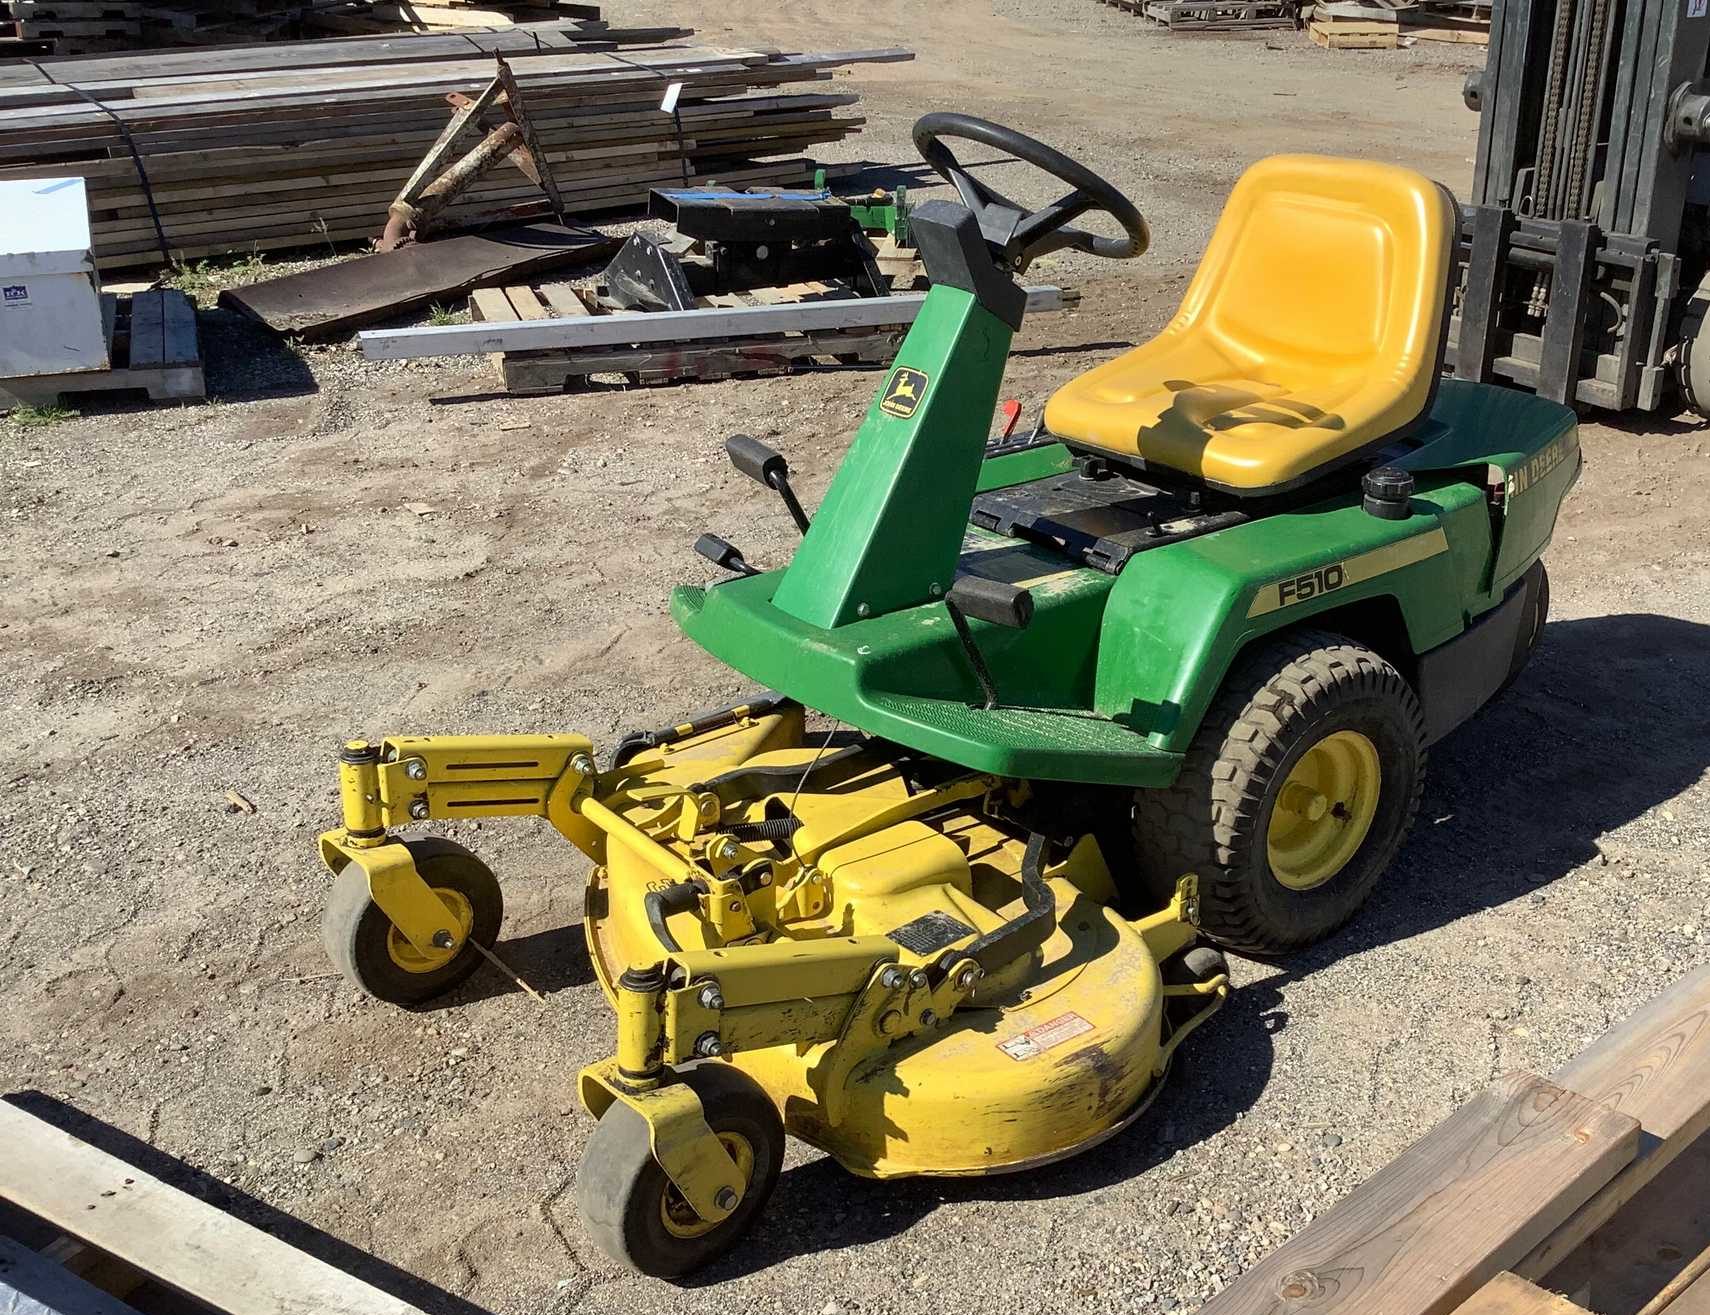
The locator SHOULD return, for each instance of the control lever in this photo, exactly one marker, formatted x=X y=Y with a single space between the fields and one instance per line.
x=764 y=466
x=724 y=554
x=992 y=601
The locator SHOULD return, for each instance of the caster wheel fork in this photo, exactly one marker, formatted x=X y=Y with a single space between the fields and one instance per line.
x=638 y=1215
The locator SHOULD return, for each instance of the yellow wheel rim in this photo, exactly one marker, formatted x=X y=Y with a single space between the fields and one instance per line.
x=412 y=960
x=1324 y=810
x=675 y=1211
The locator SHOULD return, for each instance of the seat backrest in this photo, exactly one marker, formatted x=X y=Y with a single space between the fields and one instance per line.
x=1326 y=265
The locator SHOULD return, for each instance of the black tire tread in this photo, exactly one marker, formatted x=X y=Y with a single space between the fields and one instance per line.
x=618 y=1180
x=1238 y=749
x=347 y=927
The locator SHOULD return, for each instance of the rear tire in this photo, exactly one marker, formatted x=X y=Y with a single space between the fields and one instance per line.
x=1264 y=888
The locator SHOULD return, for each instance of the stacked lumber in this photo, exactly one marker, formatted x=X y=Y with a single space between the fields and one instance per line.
x=71 y=26
x=358 y=17
x=111 y=72
x=244 y=153
x=1533 y=1188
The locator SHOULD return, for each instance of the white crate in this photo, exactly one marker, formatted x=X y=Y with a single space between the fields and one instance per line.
x=50 y=292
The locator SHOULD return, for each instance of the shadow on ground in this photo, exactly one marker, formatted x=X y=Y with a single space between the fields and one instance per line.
x=244 y=360
x=287 y=1228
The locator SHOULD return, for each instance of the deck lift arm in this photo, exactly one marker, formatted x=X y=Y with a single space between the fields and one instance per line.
x=1585 y=248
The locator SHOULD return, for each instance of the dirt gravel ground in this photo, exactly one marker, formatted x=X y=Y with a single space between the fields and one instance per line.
x=205 y=600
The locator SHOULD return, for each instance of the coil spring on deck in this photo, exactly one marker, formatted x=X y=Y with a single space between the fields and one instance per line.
x=772 y=829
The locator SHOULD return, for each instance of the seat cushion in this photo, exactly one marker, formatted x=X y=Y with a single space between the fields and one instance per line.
x=1312 y=330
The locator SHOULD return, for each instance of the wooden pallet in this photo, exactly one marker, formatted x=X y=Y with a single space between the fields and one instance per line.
x=153 y=344
x=1534 y=1189
x=1218 y=15
x=669 y=363
x=1353 y=36
x=115 y=1230
x=1373 y=25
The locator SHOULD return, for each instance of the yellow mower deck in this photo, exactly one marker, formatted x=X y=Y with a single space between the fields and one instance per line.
x=873 y=958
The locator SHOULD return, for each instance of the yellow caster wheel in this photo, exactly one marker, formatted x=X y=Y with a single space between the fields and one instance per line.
x=630 y=1207
x=365 y=946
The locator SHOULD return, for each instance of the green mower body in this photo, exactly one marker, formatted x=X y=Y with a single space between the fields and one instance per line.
x=1110 y=680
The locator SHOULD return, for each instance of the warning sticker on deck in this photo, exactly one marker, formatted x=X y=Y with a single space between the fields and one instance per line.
x=1037 y=1040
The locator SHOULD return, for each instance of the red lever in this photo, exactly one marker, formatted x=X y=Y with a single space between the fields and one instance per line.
x=1011 y=414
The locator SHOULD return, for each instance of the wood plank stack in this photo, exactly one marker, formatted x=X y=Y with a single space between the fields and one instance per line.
x=68 y=27
x=1535 y=1186
x=1387 y=24
x=254 y=150
x=358 y=17
x=73 y=26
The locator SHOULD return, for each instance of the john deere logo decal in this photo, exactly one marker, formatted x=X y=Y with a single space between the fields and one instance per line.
x=907 y=388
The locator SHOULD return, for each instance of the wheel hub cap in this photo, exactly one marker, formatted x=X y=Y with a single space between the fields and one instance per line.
x=675 y=1211
x=412 y=960
x=1324 y=810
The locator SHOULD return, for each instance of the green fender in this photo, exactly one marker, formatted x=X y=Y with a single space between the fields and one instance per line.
x=1178 y=616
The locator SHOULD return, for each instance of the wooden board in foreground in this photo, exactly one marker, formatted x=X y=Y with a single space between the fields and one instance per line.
x=1509 y=1294
x=1656 y=1068
x=182 y=1243
x=1461 y=1204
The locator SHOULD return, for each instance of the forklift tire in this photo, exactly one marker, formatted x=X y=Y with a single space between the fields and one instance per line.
x=1692 y=355
x=364 y=945
x=632 y=1209
x=1306 y=693
x=1531 y=627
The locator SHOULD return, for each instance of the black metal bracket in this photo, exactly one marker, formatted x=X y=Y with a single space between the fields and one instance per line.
x=646 y=275
x=1025 y=932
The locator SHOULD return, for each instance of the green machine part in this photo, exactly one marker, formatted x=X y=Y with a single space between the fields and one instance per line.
x=877 y=543
x=877 y=212
x=1112 y=677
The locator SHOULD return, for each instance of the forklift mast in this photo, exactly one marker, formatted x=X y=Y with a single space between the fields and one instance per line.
x=1584 y=248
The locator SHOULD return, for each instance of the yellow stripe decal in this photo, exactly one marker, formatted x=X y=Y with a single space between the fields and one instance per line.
x=1338 y=575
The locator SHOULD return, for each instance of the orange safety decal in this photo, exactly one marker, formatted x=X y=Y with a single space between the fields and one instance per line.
x=1037 y=1040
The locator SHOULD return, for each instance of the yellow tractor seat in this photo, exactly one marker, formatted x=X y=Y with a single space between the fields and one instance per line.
x=1312 y=332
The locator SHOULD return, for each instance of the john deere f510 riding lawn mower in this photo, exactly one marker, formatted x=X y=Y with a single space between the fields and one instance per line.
x=1160 y=674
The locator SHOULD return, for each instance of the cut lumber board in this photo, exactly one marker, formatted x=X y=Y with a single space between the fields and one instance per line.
x=1464 y=1202
x=656 y=327
x=1694 y=1301
x=1629 y=1260
x=1509 y=1294
x=1655 y=1067
x=336 y=298
x=184 y=1244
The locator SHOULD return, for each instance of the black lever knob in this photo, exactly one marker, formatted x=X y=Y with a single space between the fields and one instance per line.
x=724 y=554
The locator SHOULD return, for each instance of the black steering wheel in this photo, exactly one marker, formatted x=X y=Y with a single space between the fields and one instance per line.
x=1017 y=234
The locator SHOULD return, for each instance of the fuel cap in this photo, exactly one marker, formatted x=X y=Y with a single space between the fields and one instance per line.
x=1388 y=491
